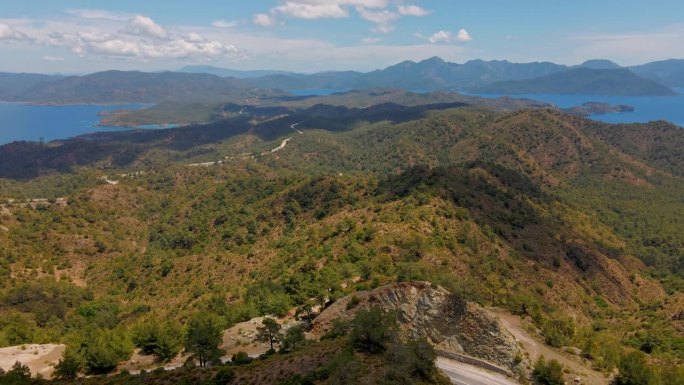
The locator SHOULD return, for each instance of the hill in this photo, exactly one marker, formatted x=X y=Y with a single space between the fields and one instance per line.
x=429 y=74
x=581 y=81
x=600 y=64
x=668 y=72
x=135 y=87
x=12 y=85
x=573 y=223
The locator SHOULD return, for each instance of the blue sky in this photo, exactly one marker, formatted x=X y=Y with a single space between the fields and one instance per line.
x=75 y=36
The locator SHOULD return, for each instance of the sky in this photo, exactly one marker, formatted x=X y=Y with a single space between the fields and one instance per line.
x=81 y=36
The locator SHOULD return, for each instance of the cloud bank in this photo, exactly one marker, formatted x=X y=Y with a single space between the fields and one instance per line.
x=115 y=35
x=379 y=12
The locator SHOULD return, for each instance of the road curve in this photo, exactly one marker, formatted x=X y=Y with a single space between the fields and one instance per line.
x=462 y=374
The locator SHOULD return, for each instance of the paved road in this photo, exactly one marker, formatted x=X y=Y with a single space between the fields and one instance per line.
x=462 y=374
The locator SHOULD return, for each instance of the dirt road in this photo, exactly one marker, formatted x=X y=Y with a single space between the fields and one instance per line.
x=462 y=374
x=536 y=349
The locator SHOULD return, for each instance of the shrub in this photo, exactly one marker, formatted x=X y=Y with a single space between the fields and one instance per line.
x=548 y=373
x=224 y=376
x=633 y=370
x=372 y=329
x=69 y=365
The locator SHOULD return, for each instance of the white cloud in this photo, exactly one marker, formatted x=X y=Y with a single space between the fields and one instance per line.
x=447 y=37
x=144 y=26
x=302 y=10
x=324 y=9
x=8 y=33
x=225 y=23
x=412 y=10
x=463 y=36
x=381 y=19
x=440 y=37
x=263 y=20
x=137 y=38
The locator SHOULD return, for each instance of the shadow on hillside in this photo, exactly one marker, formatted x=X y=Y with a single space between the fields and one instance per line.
x=26 y=160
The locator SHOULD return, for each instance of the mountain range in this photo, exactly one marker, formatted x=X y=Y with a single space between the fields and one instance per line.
x=581 y=81
x=202 y=83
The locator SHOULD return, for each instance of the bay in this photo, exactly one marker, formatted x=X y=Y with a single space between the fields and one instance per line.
x=19 y=121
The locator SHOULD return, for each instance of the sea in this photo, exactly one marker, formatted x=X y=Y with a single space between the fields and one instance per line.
x=646 y=108
x=20 y=121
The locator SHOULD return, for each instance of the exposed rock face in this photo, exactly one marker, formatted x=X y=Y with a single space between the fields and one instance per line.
x=450 y=323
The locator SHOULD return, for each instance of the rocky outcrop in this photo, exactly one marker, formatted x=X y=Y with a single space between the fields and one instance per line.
x=451 y=324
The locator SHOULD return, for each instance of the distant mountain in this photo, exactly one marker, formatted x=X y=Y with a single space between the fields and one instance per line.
x=134 y=87
x=12 y=85
x=430 y=74
x=581 y=81
x=201 y=84
x=600 y=64
x=667 y=72
x=225 y=72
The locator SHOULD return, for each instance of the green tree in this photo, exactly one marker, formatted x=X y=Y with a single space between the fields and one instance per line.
x=162 y=339
x=633 y=370
x=339 y=329
x=294 y=338
x=548 y=373
x=269 y=332
x=203 y=338
x=69 y=365
x=411 y=361
x=104 y=349
x=19 y=374
x=372 y=329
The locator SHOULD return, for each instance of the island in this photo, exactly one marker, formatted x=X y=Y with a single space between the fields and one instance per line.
x=598 y=108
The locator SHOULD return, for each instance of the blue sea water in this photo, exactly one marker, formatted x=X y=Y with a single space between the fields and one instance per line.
x=317 y=91
x=35 y=122
x=20 y=121
x=646 y=108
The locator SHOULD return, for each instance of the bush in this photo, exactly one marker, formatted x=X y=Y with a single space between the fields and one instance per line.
x=20 y=374
x=548 y=373
x=633 y=370
x=339 y=329
x=241 y=358
x=224 y=376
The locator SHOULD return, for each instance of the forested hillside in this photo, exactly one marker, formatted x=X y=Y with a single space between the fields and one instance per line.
x=576 y=223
